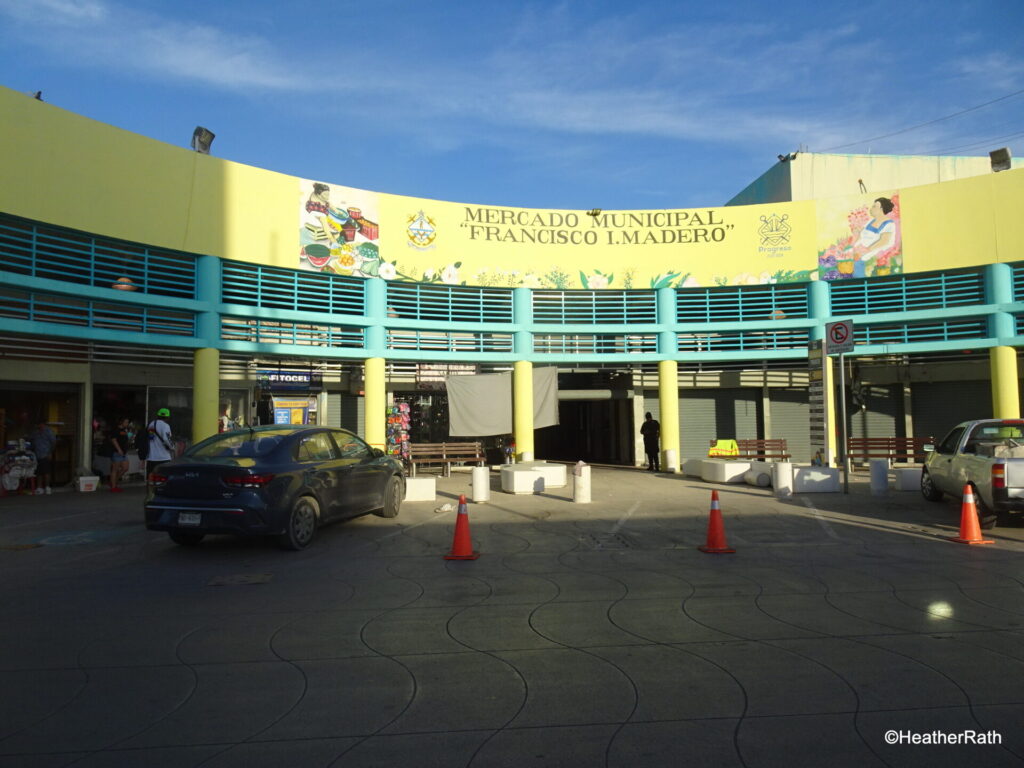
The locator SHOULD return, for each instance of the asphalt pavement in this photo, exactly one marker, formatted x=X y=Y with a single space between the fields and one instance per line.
x=584 y=635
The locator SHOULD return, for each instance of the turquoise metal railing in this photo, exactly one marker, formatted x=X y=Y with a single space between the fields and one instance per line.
x=936 y=290
x=1018 y=281
x=436 y=341
x=594 y=343
x=63 y=282
x=755 y=303
x=264 y=331
x=444 y=303
x=86 y=313
x=301 y=291
x=594 y=307
x=733 y=341
x=34 y=249
x=916 y=332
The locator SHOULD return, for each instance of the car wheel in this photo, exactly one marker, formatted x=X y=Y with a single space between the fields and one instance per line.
x=928 y=489
x=392 y=498
x=986 y=517
x=185 y=538
x=301 y=524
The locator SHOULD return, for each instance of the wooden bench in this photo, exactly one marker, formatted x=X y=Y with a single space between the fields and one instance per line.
x=906 y=449
x=769 y=449
x=445 y=454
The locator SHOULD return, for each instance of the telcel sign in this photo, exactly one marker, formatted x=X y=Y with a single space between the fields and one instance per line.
x=291 y=381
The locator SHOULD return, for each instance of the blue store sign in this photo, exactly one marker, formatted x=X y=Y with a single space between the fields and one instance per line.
x=291 y=381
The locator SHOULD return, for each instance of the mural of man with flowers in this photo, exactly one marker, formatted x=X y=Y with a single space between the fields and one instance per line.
x=873 y=246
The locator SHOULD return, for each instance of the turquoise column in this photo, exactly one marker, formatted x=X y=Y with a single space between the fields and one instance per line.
x=819 y=307
x=999 y=291
x=522 y=374
x=668 y=379
x=375 y=366
x=522 y=316
x=206 y=359
x=1003 y=357
x=665 y=308
x=376 y=316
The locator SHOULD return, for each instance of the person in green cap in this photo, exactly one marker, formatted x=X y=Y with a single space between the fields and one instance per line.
x=161 y=444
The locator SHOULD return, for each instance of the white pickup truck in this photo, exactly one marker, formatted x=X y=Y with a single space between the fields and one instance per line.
x=988 y=455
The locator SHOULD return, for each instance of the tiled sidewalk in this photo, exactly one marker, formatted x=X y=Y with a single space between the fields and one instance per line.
x=585 y=635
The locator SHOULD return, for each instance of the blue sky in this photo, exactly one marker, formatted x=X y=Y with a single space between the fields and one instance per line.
x=553 y=105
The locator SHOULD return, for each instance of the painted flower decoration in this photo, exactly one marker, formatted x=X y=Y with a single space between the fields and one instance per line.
x=450 y=274
x=664 y=280
x=531 y=280
x=596 y=281
x=387 y=271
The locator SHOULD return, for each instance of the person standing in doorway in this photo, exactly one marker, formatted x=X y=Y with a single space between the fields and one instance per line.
x=161 y=444
x=651 y=431
x=119 y=455
x=43 y=442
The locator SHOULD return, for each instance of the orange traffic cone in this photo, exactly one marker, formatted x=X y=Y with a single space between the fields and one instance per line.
x=970 y=530
x=462 y=545
x=716 y=544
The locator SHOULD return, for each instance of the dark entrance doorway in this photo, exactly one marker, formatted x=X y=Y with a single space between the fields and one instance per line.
x=595 y=431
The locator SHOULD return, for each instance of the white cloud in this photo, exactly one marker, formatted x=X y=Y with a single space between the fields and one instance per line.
x=997 y=69
x=54 y=12
x=544 y=68
x=105 y=35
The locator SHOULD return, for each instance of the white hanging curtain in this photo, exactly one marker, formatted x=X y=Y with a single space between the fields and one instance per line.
x=481 y=405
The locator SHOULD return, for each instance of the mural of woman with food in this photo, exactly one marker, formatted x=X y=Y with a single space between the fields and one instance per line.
x=872 y=248
x=337 y=237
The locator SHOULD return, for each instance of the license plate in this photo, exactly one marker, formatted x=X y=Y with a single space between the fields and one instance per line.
x=189 y=518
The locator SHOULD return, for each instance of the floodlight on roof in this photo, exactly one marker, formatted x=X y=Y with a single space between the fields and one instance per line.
x=1000 y=159
x=202 y=138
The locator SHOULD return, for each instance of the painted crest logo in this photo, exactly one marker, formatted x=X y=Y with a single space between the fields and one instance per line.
x=774 y=229
x=421 y=231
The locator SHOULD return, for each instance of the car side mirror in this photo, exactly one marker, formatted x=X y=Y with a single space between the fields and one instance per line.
x=377 y=453
x=928 y=448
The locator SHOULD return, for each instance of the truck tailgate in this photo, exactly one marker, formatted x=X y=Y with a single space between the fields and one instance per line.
x=1014 y=476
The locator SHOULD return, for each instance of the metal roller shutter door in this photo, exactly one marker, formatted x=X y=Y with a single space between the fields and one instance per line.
x=937 y=407
x=790 y=419
x=346 y=411
x=881 y=413
x=709 y=414
x=652 y=404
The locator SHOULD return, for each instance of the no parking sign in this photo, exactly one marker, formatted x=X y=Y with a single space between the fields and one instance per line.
x=839 y=337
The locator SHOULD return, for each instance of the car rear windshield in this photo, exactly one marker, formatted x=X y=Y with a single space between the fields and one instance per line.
x=239 y=445
x=1013 y=430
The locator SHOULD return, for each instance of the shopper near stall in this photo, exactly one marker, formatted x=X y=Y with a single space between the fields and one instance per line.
x=161 y=444
x=43 y=441
x=119 y=441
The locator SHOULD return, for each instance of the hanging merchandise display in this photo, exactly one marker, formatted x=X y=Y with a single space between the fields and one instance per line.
x=398 y=430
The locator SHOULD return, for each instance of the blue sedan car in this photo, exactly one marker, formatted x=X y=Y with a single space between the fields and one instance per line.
x=278 y=481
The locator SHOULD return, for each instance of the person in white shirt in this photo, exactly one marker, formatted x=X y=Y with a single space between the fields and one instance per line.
x=161 y=444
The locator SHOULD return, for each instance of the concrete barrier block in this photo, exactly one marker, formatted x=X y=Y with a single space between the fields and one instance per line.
x=722 y=471
x=516 y=478
x=420 y=489
x=908 y=478
x=691 y=467
x=816 y=479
